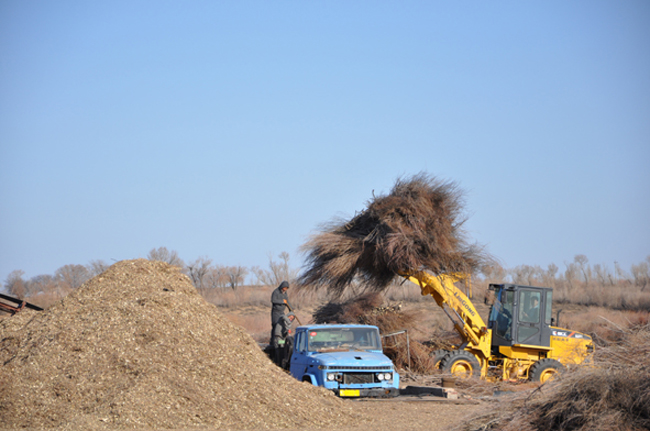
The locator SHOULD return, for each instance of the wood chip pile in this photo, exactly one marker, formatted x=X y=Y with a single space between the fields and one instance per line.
x=136 y=347
x=416 y=226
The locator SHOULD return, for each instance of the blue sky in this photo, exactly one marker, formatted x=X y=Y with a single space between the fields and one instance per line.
x=232 y=130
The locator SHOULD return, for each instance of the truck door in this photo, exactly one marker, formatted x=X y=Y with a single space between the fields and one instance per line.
x=298 y=357
x=529 y=317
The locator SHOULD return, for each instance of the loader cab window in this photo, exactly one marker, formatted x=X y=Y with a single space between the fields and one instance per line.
x=529 y=306
x=501 y=314
x=529 y=316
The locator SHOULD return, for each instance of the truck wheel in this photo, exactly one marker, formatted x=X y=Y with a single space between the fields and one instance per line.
x=461 y=363
x=544 y=370
x=437 y=356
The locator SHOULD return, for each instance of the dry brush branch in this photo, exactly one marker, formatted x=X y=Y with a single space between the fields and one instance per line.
x=418 y=225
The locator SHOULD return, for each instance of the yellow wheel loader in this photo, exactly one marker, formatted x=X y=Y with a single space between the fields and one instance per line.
x=519 y=341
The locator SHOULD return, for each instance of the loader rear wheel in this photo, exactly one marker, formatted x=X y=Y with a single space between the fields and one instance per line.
x=461 y=363
x=437 y=356
x=544 y=370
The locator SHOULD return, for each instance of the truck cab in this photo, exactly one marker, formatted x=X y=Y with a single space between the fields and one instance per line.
x=346 y=359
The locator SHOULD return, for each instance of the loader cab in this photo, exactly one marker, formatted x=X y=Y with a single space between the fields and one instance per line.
x=520 y=315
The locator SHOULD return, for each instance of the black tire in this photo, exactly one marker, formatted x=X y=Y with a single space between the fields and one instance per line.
x=544 y=370
x=461 y=363
x=437 y=356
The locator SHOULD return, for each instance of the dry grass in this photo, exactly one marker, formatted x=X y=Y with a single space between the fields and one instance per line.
x=405 y=292
x=257 y=324
x=417 y=225
x=603 y=324
x=614 y=395
x=620 y=296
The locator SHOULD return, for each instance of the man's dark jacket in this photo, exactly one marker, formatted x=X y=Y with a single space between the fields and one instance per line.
x=278 y=306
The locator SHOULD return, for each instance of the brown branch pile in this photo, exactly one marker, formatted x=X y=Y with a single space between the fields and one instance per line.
x=614 y=395
x=418 y=225
x=138 y=347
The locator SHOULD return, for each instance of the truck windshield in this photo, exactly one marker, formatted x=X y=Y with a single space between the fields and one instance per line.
x=324 y=339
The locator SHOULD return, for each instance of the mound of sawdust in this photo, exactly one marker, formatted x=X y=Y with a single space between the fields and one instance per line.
x=137 y=346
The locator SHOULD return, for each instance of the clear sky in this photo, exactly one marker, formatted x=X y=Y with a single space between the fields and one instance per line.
x=233 y=129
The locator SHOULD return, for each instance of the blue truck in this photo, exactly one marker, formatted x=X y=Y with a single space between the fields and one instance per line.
x=347 y=359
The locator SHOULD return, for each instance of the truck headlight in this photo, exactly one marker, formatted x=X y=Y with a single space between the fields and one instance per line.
x=331 y=377
x=384 y=376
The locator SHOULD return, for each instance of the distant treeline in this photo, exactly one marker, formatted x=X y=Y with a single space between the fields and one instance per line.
x=203 y=273
x=579 y=282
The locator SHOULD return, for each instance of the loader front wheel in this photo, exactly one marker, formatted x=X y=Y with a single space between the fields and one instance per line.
x=461 y=363
x=544 y=370
x=437 y=356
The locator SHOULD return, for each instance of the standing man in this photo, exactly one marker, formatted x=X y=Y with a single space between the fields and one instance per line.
x=281 y=340
x=279 y=303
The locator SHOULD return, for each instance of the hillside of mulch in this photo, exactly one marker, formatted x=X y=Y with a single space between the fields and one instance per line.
x=418 y=225
x=138 y=347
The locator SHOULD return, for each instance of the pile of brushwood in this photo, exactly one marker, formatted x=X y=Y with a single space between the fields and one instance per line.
x=417 y=226
x=613 y=395
x=138 y=347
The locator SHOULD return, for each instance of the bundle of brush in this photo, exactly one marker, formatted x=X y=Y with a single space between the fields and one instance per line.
x=365 y=309
x=418 y=225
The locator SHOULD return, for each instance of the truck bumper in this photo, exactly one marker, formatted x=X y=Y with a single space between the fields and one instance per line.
x=367 y=392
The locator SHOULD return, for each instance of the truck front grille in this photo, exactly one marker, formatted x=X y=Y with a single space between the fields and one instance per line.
x=356 y=378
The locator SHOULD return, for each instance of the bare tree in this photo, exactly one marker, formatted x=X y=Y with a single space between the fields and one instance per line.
x=71 y=276
x=198 y=270
x=526 y=274
x=41 y=284
x=96 y=267
x=570 y=274
x=278 y=271
x=641 y=274
x=164 y=255
x=216 y=277
x=15 y=284
x=582 y=262
x=236 y=276
x=494 y=273
x=603 y=275
x=548 y=276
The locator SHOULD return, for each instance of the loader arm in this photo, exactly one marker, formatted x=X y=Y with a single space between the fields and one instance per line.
x=457 y=306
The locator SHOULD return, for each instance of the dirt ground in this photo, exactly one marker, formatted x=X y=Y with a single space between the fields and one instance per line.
x=410 y=414
x=397 y=415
